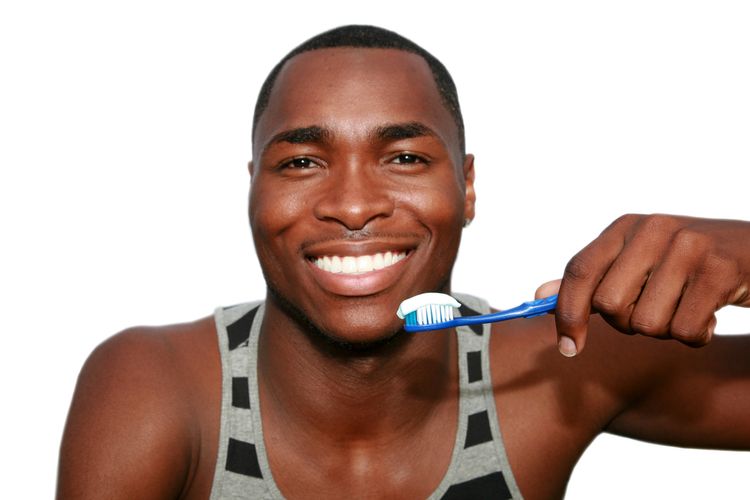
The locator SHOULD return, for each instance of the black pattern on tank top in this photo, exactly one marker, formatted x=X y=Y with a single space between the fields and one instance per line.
x=479 y=467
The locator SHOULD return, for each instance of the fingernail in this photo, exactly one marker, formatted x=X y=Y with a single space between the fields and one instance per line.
x=567 y=347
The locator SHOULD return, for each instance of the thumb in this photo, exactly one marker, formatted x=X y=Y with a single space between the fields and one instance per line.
x=566 y=345
x=547 y=289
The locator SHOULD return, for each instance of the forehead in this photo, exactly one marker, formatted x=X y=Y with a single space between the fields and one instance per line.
x=354 y=90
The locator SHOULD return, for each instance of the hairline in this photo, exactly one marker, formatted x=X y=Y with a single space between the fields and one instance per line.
x=440 y=76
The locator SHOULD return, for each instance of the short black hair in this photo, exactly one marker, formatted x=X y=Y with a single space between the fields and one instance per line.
x=375 y=38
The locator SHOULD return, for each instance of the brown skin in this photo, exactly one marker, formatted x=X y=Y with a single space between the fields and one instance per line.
x=145 y=416
x=356 y=191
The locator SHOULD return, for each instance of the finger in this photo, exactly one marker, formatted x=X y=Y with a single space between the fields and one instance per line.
x=621 y=287
x=692 y=321
x=653 y=313
x=547 y=289
x=706 y=291
x=582 y=275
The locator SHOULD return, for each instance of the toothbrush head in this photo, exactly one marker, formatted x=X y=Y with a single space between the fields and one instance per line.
x=427 y=309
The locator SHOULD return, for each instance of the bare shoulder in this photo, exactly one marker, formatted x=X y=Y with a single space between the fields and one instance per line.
x=145 y=400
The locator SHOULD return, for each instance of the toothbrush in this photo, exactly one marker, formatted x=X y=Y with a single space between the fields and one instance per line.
x=434 y=311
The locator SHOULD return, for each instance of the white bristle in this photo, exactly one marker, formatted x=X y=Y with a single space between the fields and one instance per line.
x=428 y=308
x=434 y=313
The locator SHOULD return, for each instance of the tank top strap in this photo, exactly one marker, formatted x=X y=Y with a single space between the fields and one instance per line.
x=241 y=463
x=480 y=467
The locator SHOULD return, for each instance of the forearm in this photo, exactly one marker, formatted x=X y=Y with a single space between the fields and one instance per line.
x=701 y=399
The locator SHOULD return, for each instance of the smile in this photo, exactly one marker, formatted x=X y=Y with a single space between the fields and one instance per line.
x=360 y=264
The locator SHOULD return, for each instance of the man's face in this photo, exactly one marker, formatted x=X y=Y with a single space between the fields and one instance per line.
x=359 y=191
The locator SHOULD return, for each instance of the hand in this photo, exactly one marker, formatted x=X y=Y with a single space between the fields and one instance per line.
x=657 y=275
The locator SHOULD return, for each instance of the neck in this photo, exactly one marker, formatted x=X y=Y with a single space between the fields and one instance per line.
x=377 y=394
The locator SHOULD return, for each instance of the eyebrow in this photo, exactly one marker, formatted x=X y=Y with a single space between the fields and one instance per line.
x=320 y=135
x=301 y=135
x=397 y=131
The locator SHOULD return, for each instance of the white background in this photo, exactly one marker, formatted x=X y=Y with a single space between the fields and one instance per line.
x=125 y=130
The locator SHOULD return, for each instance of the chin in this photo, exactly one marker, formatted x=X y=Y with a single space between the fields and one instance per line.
x=355 y=338
x=359 y=325
x=369 y=345
x=353 y=326
x=362 y=334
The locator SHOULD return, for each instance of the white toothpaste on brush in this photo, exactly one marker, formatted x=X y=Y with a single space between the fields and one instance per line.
x=425 y=299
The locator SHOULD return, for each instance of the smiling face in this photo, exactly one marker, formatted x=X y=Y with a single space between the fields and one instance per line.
x=359 y=190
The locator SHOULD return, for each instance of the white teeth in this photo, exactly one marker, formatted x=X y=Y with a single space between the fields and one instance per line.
x=388 y=259
x=360 y=264
x=335 y=264
x=349 y=265
x=364 y=263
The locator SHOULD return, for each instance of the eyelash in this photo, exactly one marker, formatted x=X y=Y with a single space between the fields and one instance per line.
x=416 y=159
x=290 y=164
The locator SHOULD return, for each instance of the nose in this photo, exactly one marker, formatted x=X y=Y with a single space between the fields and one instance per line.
x=354 y=195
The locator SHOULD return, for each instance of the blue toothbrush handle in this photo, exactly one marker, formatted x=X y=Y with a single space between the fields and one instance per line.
x=529 y=309
x=534 y=308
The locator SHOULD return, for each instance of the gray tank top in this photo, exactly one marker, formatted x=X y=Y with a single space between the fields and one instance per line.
x=478 y=469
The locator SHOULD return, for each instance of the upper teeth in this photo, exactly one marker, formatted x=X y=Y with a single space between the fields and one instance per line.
x=360 y=264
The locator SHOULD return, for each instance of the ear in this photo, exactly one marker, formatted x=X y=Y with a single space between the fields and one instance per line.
x=250 y=169
x=470 y=195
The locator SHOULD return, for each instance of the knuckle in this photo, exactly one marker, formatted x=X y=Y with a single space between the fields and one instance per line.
x=578 y=268
x=689 y=335
x=607 y=303
x=623 y=222
x=716 y=278
x=626 y=220
x=569 y=319
x=688 y=241
x=653 y=223
x=720 y=267
x=647 y=326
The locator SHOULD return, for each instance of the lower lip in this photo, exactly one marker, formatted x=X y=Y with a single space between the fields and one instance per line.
x=359 y=285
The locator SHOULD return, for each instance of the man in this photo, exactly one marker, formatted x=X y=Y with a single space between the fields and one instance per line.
x=360 y=190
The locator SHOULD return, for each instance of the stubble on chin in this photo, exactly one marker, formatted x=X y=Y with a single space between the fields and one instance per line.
x=327 y=340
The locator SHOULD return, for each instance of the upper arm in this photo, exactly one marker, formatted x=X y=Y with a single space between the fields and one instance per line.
x=128 y=432
x=697 y=397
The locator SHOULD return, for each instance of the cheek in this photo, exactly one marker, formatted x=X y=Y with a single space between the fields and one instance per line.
x=440 y=205
x=274 y=213
x=439 y=208
x=273 y=209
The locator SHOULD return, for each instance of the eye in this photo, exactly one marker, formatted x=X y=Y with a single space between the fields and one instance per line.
x=299 y=163
x=409 y=158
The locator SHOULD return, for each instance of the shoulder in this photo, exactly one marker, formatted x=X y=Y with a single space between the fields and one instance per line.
x=134 y=425
x=152 y=364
